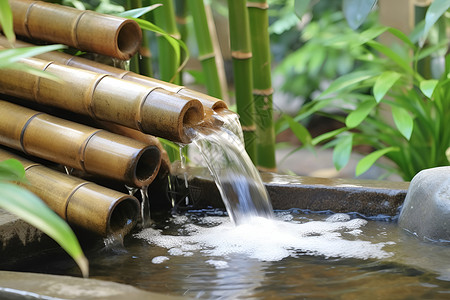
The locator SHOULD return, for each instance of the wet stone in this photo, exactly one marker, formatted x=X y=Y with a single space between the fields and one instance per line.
x=426 y=210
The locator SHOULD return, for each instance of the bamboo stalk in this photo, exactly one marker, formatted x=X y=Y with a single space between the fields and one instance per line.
x=241 y=53
x=78 y=146
x=181 y=21
x=151 y=110
x=84 y=30
x=85 y=64
x=81 y=203
x=206 y=52
x=262 y=84
x=164 y=17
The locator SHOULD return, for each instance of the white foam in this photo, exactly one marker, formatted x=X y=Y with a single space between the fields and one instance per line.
x=159 y=259
x=272 y=240
x=219 y=264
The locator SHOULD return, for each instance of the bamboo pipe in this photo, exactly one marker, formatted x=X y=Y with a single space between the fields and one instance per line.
x=78 y=146
x=85 y=30
x=81 y=203
x=152 y=110
x=86 y=64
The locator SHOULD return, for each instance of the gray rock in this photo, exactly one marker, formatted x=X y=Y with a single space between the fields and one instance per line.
x=426 y=210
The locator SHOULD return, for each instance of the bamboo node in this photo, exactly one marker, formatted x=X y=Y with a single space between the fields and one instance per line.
x=206 y=56
x=26 y=19
x=241 y=55
x=67 y=200
x=38 y=82
x=75 y=31
x=24 y=128
x=89 y=96
x=264 y=92
x=249 y=128
x=140 y=105
x=83 y=147
x=260 y=5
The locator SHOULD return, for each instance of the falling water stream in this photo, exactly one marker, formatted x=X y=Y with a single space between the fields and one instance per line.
x=250 y=252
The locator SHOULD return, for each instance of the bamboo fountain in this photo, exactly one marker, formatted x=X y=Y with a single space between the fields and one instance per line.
x=132 y=108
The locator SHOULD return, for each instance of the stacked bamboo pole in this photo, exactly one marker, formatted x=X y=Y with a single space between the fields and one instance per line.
x=206 y=51
x=84 y=30
x=85 y=64
x=151 y=110
x=81 y=203
x=78 y=146
x=262 y=84
x=241 y=53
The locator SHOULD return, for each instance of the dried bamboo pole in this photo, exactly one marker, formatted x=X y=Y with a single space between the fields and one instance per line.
x=164 y=17
x=262 y=84
x=81 y=203
x=82 y=63
x=84 y=30
x=241 y=53
x=78 y=146
x=151 y=110
x=206 y=53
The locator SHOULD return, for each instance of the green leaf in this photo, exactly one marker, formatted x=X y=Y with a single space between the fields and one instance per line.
x=6 y=21
x=301 y=7
x=371 y=34
x=32 y=210
x=299 y=130
x=347 y=81
x=138 y=12
x=403 y=121
x=10 y=56
x=366 y=162
x=327 y=135
x=388 y=52
x=175 y=43
x=434 y=12
x=427 y=87
x=342 y=151
x=401 y=36
x=360 y=113
x=356 y=11
x=384 y=83
x=11 y=170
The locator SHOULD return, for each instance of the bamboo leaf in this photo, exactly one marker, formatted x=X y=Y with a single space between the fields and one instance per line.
x=328 y=135
x=388 y=52
x=31 y=209
x=434 y=12
x=360 y=113
x=347 y=81
x=175 y=43
x=384 y=83
x=10 y=56
x=428 y=86
x=356 y=11
x=301 y=7
x=299 y=130
x=366 y=162
x=342 y=151
x=11 y=170
x=403 y=121
x=401 y=36
x=6 y=21
x=138 y=12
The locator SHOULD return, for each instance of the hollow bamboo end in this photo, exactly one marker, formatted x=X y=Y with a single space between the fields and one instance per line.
x=123 y=216
x=129 y=38
x=192 y=114
x=147 y=165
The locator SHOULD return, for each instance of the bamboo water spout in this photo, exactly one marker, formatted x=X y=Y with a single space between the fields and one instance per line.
x=151 y=110
x=82 y=29
x=81 y=147
x=86 y=64
x=81 y=203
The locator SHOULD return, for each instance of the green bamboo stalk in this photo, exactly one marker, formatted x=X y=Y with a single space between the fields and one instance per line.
x=206 y=51
x=145 y=56
x=241 y=53
x=164 y=17
x=181 y=21
x=262 y=84
x=134 y=60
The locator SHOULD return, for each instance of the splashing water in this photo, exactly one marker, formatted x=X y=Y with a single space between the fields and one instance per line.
x=237 y=179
